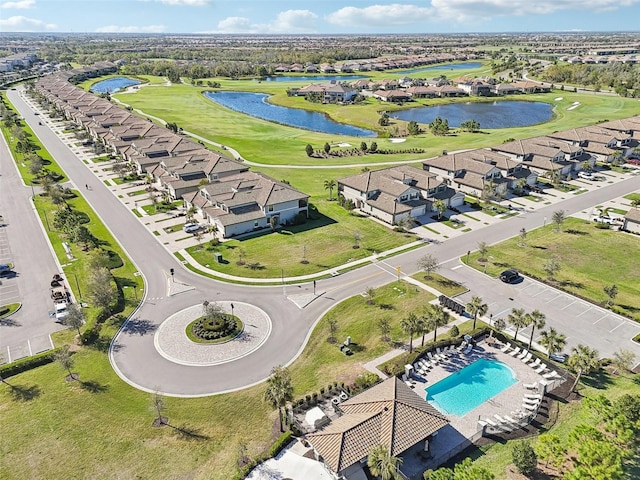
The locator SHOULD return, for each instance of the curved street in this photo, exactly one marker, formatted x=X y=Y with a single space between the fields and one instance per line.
x=133 y=353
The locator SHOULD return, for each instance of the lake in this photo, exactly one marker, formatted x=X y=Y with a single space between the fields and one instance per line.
x=257 y=105
x=504 y=114
x=113 y=84
x=438 y=69
x=312 y=79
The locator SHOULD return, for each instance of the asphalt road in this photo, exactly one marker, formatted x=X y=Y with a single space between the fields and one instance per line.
x=133 y=354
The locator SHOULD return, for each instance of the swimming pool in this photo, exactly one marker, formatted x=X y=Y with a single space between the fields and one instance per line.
x=466 y=389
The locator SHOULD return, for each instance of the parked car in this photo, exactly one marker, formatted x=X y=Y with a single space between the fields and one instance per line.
x=5 y=268
x=585 y=175
x=509 y=276
x=604 y=219
x=559 y=357
x=599 y=178
x=633 y=161
x=191 y=227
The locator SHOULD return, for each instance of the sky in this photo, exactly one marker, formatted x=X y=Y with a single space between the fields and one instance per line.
x=317 y=17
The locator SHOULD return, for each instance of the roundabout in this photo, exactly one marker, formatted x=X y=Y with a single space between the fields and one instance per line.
x=172 y=343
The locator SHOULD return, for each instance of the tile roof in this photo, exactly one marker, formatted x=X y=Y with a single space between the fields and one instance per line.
x=389 y=413
x=633 y=215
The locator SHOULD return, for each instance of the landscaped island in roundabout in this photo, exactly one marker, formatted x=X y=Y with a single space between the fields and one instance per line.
x=214 y=326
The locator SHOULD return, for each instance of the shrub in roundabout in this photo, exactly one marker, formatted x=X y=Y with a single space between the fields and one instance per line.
x=214 y=326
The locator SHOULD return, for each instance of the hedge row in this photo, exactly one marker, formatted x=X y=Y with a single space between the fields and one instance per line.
x=28 y=363
x=277 y=446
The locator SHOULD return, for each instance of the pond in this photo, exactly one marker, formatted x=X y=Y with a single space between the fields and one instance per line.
x=438 y=69
x=257 y=105
x=311 y=79
x=505 y=114
x=113 y=84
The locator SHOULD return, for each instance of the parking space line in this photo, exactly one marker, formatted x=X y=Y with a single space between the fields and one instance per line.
x=584 y=312
x=29 y=345
x=567 y=306
x=557 y=296
x=8 y=355
x=615 y=328
x=540 y=292
x=496 y=315
x=601 y=318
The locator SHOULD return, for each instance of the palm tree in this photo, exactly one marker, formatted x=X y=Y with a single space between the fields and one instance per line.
x=279 y=389
x=518 y=319
x=382 y=464
x=536 y=319
x=437 y=317
x=410 y=325
x=477 y=308
x=553 y=341
x=440 y=206
x=583 y=360
x=330 y=185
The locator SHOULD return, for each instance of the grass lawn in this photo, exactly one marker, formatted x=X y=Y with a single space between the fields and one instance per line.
x=322 y=362
x=162 y=207
x=591 y=258
x=136 y=193
x=100 y=427
x=497 y=456
x=442 y=284
x=326 y=242
x=6 y=310
x=633 y=197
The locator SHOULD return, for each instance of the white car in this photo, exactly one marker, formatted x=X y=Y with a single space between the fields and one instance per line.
x=559 y=357
x=191 y=227
x=585 y=175
x=604 y=219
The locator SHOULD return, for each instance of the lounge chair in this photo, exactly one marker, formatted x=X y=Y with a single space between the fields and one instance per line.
x=482 y=423
x=533 y=396
x=461 y=347
x=515 y=351
x=527 y=357
x=491 y=422
x=511 y=420
x=530 y=407
x=506 y=348
x=467 y=350
x=530 y=401
x=551 y=375
x=534 y=363
x=434 y=360
x=523 y=354
x=499 y=418
x=541 y=368
x=530 y=386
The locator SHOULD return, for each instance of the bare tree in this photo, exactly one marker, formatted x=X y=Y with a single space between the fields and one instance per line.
x=333 y=329
x=158 y=406
x=551 y=267
x=66 y=362
x=623 y=360
x=483 y=250
x=357 y=237
x=611 y=292
x=384 y=325
x=428 y=264
x=522 y=237
x=101 y=290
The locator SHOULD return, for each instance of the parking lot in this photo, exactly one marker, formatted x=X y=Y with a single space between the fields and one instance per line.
x=582 y=322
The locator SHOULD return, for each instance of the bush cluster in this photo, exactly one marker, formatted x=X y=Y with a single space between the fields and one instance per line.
x=28 y=363
x=277 y=446
x=213 y=328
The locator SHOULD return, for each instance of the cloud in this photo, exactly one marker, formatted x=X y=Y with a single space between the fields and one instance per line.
x=132 y=29
x=466 y=10
x=380 y=15
x=19 y=5
x=289 y=21
x=186 y=3
x=19 y=23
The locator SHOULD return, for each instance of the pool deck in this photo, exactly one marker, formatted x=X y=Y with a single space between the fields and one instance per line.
x=464 y=429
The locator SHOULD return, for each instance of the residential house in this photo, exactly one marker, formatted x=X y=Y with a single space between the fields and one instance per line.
x=632 y=221
x=332 y=92
x=539 y=158
x=245 y=202
x=388 y=414
x=527 y=86
x=602 y=143
x=476 y=171
x=185 y=173
x=476 y=87
x=392 y=95
x=396 y=193
x=505 y=89
x=420 y=92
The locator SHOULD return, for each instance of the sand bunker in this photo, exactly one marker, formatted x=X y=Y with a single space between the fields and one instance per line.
x=397 y=140
x=558 y=99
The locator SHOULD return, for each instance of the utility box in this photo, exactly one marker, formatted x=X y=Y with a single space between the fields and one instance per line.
x=218 y=257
